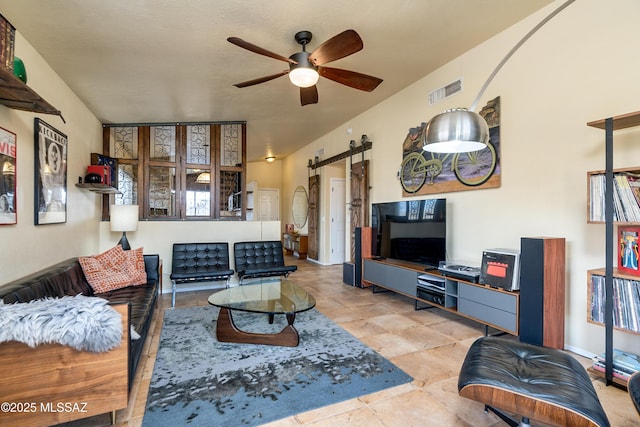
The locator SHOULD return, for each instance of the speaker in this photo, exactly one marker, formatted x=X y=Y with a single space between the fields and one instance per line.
x=363 y=249
x=358 y=258
x=542 y=291
x=348 y=273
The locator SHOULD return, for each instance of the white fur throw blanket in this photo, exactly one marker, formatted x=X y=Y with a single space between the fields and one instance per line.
x=84 y=323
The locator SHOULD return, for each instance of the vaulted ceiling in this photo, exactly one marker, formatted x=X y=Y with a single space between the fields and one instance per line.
x=150 y=61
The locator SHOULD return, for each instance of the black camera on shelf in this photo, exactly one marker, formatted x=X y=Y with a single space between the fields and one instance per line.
x=93 y=178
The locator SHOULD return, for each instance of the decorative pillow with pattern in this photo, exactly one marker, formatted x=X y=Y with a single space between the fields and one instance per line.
x=114 y=269
x=135 y=266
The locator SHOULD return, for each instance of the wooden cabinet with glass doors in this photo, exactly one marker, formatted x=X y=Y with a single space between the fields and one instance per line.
x=176 y=171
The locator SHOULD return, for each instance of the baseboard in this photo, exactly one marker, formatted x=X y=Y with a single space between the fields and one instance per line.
x=579 y=351
x=315 y=261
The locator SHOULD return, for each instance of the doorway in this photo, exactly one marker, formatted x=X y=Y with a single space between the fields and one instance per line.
x=338 y=218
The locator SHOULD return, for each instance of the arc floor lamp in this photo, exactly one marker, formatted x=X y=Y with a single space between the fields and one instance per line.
x=460 y=130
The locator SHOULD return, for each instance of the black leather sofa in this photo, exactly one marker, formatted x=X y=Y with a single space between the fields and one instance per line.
x=67 y=278
x=260 y=259
x=199 y=262
x=46 y=373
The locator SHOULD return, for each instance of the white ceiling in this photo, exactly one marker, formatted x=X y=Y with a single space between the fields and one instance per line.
x=150 y=61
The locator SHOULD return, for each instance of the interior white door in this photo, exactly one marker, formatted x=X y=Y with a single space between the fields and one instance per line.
x=267 y=204
x=338 y=217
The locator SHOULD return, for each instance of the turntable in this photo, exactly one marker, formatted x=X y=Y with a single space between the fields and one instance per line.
x=459 y=271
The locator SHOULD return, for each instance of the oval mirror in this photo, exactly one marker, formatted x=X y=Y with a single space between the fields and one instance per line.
x=300 y=207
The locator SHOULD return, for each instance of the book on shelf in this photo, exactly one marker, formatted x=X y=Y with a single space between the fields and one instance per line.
x=626 y=302
x=623 y=361
x=7 y=43
x=617 y=373
x=626 y=197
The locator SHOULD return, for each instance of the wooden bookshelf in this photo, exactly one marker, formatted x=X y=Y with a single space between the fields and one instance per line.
x=617 y=381
x=609 y=125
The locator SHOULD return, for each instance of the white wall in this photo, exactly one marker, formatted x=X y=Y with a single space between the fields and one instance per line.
x=26 y=247
x=158 y=237
x=267 y=175
x=581 y=66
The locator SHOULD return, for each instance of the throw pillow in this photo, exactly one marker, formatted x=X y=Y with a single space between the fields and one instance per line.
x=112 y=269
x=135 y=266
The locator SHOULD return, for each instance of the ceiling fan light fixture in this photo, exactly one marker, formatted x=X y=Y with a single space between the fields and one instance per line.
x=305 y=68
x=303 y=77
x=303 y=73
x=457 y=130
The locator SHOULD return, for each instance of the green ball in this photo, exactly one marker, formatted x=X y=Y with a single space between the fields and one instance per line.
x=19 y=70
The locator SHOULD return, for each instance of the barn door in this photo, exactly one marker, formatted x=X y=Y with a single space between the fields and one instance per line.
x=359 y=200
x=314 y=214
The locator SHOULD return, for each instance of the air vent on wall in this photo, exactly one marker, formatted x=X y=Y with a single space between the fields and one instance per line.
x=444 y=92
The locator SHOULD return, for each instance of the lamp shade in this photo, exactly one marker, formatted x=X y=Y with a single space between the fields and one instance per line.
x=124 y=217
x=303 y=77
x=456 y=131
x=302 y=73
x=204 y=178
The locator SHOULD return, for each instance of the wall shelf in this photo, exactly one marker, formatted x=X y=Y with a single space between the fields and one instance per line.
x=99 y=188
x=17 y=95
x=622 y=121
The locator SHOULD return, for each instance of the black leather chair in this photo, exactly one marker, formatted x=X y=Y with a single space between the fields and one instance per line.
x=199 y=262
x=260 y=259
x=537 y=383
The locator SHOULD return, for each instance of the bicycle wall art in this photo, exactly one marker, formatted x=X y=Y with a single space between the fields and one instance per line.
x=423 y=172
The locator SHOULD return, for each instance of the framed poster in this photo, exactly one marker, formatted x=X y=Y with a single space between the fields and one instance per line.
x=8 y=157
x=628 y=250
x=50 y=195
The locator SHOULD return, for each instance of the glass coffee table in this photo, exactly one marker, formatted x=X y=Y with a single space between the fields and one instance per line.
x=271 y=298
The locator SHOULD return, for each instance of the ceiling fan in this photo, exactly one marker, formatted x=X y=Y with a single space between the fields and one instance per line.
x=306 y=67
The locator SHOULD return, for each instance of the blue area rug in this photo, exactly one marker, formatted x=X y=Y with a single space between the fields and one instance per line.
x=198 y=381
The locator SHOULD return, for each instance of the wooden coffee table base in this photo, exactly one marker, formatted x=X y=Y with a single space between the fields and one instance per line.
x=227 y=331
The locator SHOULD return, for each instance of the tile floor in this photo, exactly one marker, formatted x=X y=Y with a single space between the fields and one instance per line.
x=427 y=344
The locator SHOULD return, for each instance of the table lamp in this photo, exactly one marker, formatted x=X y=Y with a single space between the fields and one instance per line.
x=124 y=218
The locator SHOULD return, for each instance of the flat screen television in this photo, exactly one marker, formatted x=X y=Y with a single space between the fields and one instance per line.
x=413 y=230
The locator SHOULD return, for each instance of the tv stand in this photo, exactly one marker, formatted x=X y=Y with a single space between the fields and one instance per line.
x=492 y=307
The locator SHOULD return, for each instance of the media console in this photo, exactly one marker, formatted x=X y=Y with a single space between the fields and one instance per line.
x=493 y=307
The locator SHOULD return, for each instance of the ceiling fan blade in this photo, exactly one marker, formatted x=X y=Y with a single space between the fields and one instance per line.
x=339 y=46
x=350 y=78
x=259 y=50
x=308 y=95
x=261 y=79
